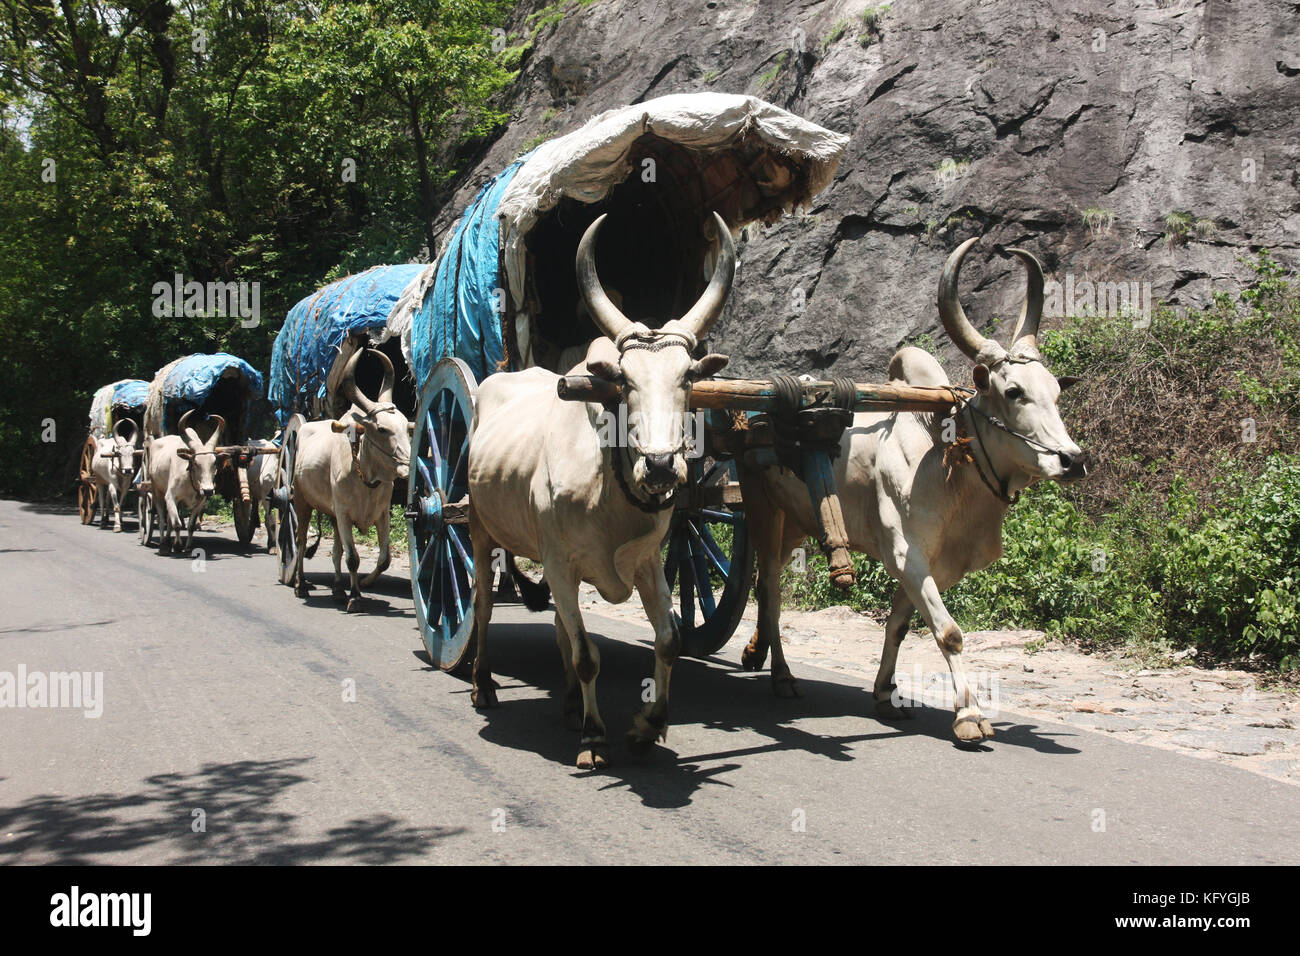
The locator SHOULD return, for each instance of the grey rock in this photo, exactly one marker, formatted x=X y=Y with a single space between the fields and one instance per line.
x=1135 y=109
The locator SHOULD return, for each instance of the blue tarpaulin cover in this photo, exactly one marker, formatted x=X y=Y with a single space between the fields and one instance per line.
x=192 y=378
x=462 y=315
x=316 y=328
x=131 y=392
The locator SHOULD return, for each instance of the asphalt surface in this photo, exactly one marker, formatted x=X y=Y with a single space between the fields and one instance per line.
x=225 y=694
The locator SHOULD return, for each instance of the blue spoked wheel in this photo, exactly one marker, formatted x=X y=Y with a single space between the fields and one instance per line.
x=437 y=500
x=282 y=499
x=709 y=562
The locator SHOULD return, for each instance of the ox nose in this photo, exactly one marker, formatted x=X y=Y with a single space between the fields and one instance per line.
x=1075 y=464
x=659 y=469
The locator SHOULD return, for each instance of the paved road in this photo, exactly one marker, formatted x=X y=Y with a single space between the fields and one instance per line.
x=223 y=693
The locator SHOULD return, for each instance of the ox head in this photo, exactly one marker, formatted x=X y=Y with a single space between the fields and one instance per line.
x=385 y=435
x=1015 y=388
x=201 y=455
x=124 y=446
x=654 y=368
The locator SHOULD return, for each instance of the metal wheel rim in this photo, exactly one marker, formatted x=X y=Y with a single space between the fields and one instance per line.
x=708 y=620
x=441 y=556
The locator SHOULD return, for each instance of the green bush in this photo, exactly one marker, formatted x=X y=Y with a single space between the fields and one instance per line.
x=1162 y=571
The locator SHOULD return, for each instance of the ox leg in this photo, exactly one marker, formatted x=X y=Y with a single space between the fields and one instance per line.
x=173 y=523
x=484 y=689
x=272 y=547
x=651 y=723
x=773 y=543
x=888 y=705
x=382 y=530
x=117 y=507
x=196 y=516
x=343 y=529
x=911 y=568
x=585 y=656
x=336 y=555
x=572 y=689
x=300 y=585
x=101 y=497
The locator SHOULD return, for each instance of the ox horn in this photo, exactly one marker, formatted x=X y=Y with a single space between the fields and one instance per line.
x=183 y=427
x=135 y=432
x=603 y=312
x=706 y=311
x=1031 y=313
x=390 y=378
x=216 y=432
x=958 y=327
x=348 y=384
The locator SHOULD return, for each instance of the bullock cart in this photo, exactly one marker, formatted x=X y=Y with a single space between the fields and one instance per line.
x=112 y=405
x=320 y=336
x=503 y=295
x=219 y=384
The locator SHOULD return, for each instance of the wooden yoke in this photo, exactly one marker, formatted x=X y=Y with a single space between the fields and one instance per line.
x=799 y=427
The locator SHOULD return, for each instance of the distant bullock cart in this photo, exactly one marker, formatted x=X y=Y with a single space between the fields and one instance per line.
x=205 y=405
x=110 y=455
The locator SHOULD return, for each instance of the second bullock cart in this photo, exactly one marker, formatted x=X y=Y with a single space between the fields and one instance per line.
x=211 y=386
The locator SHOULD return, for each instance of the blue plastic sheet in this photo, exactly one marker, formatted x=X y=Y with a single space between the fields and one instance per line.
x=193 y=377
x=131 y=393
x=461 y=315
x=316 y=328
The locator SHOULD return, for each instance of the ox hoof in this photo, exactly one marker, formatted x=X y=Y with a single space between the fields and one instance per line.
x=887 y=710
x=484 y=697
x=967 y=730
x=785 y=687
x=986 y=728
x=646 y=731
x=753 y=658
x=354 y=604
x=340 y=596
x=593 y=757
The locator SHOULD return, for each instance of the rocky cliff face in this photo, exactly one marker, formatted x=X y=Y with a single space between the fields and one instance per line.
x=1151 y=142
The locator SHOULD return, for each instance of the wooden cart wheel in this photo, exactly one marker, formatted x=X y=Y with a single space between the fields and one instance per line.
x=710 y=561
x=282 y=500
x=442 y=560
x=244 y=527
x=87 y=493
x=144 y=498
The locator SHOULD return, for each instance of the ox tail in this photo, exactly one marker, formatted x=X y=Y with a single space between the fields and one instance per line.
x=536 y=594
x=310 y=551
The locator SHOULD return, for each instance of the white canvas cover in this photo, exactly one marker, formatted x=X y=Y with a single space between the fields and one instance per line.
x=589 y=162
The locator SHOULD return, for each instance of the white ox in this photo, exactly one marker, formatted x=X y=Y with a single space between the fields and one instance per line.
x=929 y=524
x=545 y=484
x=263 y=478
x=113 y=469
x=352 y=482
x=182 y=473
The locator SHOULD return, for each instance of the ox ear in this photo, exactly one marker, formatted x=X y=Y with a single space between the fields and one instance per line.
x=1065 y=381
x=604 y=368
x=983 y=378
x=710 y=365
x=185 y=453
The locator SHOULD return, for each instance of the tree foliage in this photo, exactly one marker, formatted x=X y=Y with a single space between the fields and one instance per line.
x=267 y=141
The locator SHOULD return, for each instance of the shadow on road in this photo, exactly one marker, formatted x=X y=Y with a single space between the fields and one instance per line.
x=242 y=822
x=715 y=694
